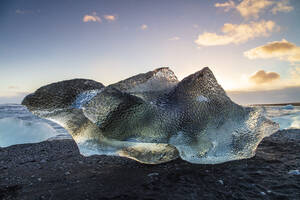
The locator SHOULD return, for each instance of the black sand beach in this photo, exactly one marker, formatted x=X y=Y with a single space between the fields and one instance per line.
x=56 y=170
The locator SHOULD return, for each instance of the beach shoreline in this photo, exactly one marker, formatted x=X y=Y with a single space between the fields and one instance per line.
x=278 y=104
x=56 y=170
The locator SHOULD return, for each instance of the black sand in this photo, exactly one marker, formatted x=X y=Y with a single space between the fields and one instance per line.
x=56 y=170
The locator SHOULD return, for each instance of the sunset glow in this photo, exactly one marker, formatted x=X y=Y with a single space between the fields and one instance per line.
x=250 y=45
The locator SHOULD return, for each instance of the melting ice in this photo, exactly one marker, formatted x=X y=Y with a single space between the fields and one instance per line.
x=154 y=118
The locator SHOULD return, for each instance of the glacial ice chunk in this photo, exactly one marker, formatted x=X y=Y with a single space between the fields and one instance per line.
x=294 y=172
x=288 y=107
x=154 y=118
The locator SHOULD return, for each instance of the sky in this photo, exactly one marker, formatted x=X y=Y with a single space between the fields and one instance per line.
x=252 y=46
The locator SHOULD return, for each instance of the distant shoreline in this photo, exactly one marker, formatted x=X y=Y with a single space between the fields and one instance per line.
x=278 y=104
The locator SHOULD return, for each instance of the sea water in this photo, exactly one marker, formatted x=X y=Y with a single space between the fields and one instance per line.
x=18 y=125
x=288 y=117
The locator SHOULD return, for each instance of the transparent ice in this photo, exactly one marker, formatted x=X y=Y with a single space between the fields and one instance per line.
x=154 y=118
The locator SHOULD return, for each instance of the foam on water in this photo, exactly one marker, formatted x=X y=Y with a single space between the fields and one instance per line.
x=18 y=126
x=288 y=117
x=17 y=131
x=21 y=112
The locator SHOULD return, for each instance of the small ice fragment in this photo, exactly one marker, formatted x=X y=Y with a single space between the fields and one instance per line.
x=67 y=173
x=153 y=174
x=288 y=107
x=294 y=172
x=262 y=193
x=221 y=182
x=202 y=98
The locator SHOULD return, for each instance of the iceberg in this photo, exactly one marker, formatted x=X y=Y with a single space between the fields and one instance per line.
x=154 y=118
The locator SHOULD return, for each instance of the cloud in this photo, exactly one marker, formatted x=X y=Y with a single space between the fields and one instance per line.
x=110 y=18
x=174 y=38
x=295 y=76
x=144 y=26
x=263 y=80
x=261 y=77
x=282 y=50
x=226 y=5
x=237 y=33
x=22 y=11
x=92 y=18
x=13 y=87
x=253 y=8
x=282 y=6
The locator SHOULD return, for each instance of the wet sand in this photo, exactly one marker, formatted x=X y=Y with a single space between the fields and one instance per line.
x=56 y=170
x=279 y=104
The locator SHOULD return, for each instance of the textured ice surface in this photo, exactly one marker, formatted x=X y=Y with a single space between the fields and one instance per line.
x=154 y=118
x=84 y=97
